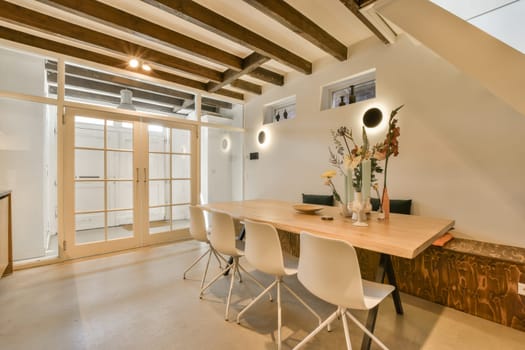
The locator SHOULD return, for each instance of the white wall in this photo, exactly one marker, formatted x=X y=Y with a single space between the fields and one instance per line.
x=22 y=126
x=461 y=148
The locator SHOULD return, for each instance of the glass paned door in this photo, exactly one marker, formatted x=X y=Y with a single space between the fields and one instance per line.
x=103 y=154
x=127 y=182
x=170 y=164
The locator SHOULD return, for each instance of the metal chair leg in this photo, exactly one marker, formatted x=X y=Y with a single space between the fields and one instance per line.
x=346 y=330
x=195 y=262
x=317 y=330
x=232 y=279
x=255 y=280
x=364 y=329
x=257 y=298
x=219 y=275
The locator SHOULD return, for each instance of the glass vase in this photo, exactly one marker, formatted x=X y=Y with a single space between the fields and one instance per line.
x=359 y=207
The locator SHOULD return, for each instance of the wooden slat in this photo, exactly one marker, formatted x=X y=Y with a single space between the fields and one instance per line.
x=205 y=18
x=212 y=102
x=354 y=7
x=91 y=96
x=115 y=18
x=294 y=20
x=113 y=89
x=267 y=76
x=249 y=64
x=246 y=86
x=45 y=44
x=115 y=79
x=21 y=15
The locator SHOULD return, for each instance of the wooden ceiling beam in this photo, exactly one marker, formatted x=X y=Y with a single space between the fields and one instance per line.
x=129 y=23
x=230 y=76
x=267 y=76
x=115 y=18
x=212 y=21
x=354 y=8
x=118 y=80
x=294 y=20
x=21 y=15
x=94 y=85
x=50 y=45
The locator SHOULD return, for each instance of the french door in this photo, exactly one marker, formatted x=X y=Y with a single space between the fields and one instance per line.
x=128 y=182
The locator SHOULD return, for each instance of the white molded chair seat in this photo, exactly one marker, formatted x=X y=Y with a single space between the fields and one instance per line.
x=330 y=270
x=264 y=252
x=222 y=238
x=199 y=232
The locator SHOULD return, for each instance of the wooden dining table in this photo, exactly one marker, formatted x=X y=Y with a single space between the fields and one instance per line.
x=401 y=235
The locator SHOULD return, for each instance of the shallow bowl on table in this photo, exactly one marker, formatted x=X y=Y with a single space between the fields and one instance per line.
x=308 y=208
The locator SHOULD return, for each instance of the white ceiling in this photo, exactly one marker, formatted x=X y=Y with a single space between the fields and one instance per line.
x=503 y=19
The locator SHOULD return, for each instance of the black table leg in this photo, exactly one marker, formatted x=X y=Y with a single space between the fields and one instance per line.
x=240 y=238
x=385 y=268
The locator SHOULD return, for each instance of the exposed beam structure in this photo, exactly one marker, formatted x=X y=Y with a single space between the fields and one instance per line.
x=129 y=23
x=267 y=76
x=354 y=8
x=21 y=15
x=230 y=76
x=205 y=18
x=45 y=44
x=294 y=20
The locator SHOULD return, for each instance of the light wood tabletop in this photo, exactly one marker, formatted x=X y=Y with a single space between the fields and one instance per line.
x=402 y=235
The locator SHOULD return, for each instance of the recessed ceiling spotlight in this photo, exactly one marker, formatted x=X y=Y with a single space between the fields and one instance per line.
x=146 y=67
x=133 y=63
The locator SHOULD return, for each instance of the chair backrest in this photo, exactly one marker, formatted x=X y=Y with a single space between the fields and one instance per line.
x=222 y=235
x=399 y=206
x=329 y=269
x=197 y=224
x=318 y=199
x=263 y=248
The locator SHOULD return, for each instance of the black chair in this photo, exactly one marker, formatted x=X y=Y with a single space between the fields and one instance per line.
x=399 y=206
x=318 y=199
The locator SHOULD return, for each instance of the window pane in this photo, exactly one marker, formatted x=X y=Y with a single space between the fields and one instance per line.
x=159 y=192
x=120 y=224
x=181 y=166
x=89 y=228
x=89 y=164
x=159 y=166
x=180 y=217
x=181 y=141
x=159 y=138
x=120 y=194
x=89 y=195
x=181 y=191
x=24 y=73
x=28 y=167
x=221 y=167
x=89 y=132
x=120 y=135
x=120 y=165
x=159 y=220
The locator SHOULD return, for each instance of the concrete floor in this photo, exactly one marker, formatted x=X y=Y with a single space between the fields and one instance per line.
x=138 y=300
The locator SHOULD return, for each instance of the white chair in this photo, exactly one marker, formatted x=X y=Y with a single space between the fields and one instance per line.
x=330 y=270
x=222 y=238
x=198 y=232
x=263 y=251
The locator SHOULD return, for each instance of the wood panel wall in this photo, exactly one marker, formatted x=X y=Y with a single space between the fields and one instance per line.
x=478 y=278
